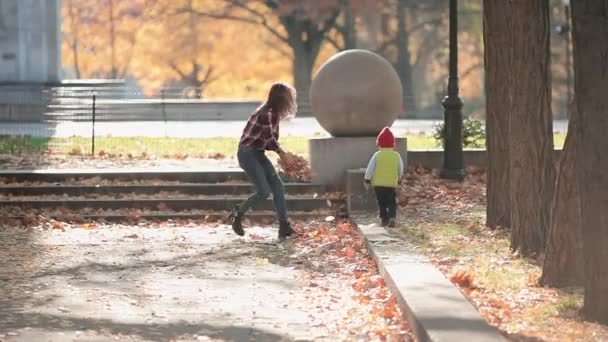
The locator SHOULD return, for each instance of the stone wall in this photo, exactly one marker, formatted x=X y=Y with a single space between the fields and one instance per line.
x=433 y=159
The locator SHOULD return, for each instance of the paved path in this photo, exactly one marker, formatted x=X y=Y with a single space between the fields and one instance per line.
x=296 y=127
x=159 y=284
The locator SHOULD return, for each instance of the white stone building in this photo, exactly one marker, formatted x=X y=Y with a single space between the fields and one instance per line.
x=30 y=41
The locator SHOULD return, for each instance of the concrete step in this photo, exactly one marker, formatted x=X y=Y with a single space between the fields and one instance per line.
x=193 y=189
x=269 y=216
x=71 y=176
x=209 y=203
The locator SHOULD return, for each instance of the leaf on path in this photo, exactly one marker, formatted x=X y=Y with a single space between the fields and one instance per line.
x=256 y=237
x=463 y=279
x=57 y=225
x=350 y=252
x=89 y=225
x=262 y=261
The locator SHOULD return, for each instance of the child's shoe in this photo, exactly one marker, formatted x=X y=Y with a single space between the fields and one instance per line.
x=392 y=223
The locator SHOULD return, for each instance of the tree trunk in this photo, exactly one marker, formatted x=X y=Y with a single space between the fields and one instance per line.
x=496 y=37
x=114 y=71
x=590 y=41
x=74 y=23
x=404 y=66
x=350 y=29
x=303 y=62
x=305 y=38
x=531 y=170
x=563 y=265
x=422 y=85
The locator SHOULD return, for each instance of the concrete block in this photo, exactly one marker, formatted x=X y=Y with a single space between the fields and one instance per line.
x=433 y=159
x=357 y=198
x=435 y=308
x=330 y=158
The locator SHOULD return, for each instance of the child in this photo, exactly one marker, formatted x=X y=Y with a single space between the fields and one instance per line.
x=384 y=173
x=261 y=134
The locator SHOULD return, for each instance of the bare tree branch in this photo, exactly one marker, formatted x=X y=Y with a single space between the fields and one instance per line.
x=470 y=70
x=331 y=22
x=207 y=76
x=334 y=43
x=423 y=24
x=258 y=17
x=177 y=70
x=382 y=48
x=279 y=48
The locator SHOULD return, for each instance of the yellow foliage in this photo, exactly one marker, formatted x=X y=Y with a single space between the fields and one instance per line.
x=165 y=38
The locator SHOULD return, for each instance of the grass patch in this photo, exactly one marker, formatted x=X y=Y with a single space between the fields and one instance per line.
x=505 y=287
x=570 y=301
x=161 y=146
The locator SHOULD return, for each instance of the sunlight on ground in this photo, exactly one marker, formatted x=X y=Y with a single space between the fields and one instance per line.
x=504 y=286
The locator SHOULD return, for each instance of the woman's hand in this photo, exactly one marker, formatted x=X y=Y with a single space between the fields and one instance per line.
x=287 y=159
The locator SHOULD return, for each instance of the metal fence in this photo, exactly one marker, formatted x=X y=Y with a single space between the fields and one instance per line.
x=83 y=117
x=101 y=116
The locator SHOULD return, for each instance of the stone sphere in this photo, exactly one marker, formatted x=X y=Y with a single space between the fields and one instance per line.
x=356 y=93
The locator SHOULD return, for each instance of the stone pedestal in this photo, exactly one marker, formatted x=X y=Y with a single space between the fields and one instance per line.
x=330 y=158
x=358 y=199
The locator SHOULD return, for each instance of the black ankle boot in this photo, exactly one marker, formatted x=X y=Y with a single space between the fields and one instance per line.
x=285 y=230
x=235 y=218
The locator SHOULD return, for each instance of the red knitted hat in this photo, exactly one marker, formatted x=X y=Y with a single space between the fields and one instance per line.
x=385 y=138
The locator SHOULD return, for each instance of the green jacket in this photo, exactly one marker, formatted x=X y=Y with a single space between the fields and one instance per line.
x=385 y=168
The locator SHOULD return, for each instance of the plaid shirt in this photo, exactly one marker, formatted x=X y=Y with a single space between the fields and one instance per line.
x=262 y=131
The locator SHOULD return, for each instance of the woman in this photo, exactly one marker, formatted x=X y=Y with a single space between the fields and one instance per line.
x=261 y=134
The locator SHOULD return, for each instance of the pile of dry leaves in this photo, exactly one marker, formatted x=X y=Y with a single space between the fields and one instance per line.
x=300 y=168
x=336 y=248
x=423 y=186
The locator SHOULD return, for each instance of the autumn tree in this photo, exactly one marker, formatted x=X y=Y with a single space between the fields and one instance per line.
x=590 y=41
x=424 y=43
x=72 y=14
x=103 y=35
x=563 y=264
x=531 y=174
x=187 y=61
x=344 y=34
x=303 y=26
x=404 y=64
x=347 y=30
x=497 y=55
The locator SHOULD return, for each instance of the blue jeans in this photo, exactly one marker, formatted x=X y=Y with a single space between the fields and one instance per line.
x=265 y=179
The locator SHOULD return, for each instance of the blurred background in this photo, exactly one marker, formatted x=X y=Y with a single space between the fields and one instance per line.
x=68 y=63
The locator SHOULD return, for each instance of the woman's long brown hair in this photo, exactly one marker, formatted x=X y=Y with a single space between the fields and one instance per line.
x=282 y=99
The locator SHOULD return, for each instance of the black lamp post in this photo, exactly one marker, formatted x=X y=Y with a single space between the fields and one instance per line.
x=453 y=157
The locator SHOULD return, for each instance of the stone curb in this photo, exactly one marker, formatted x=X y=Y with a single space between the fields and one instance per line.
x=436 y=310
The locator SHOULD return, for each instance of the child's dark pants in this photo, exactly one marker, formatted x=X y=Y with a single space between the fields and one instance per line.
x=387 y=202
